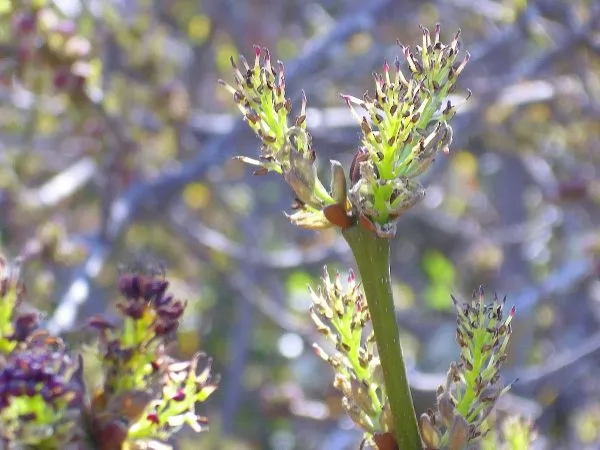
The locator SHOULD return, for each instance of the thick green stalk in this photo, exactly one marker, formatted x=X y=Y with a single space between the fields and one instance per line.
x=372 y=255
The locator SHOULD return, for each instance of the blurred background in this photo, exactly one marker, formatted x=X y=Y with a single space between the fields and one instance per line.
x=116 y=148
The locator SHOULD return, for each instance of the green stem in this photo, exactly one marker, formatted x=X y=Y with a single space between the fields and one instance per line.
x=372 y=255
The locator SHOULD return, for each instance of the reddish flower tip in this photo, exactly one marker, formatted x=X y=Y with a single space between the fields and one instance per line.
x=351 y=276
x=346 y=99
x=179 y=396
x=481 y=292
x=100 y=323
x=513 y=311
x=438 y=29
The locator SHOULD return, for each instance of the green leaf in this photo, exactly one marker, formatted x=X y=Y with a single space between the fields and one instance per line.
x=438 y=268
x=298 y=281
x=442 y=274
x=437 y=297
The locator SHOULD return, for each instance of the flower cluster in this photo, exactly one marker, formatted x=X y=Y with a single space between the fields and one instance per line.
x=150 y=313
x=405 y=126
x=342 y=316
x=259 y=93
x=41 y=388
x=47 y=45
x=145 y=395
x=41 y=394
x=472 y=385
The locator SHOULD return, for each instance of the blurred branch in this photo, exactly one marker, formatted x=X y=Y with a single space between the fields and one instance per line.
x=198 y=234
x=245 y=285
x=60 y=187
x=559 y=367
x=149 y=193
x=486 y=8
x=243 y=281
x=240 y=336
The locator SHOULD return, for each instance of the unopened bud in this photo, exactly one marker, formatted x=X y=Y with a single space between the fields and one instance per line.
x=446 y=408
x=361 y=396
x=343 y=384
x=459 y=434
x=339 y=191
x=357 y=415
x=321 y=353
x=406 y=194
x=386 y=421
x=301 y=177
x=430 y=435
x=321 y=326
x=360 y=156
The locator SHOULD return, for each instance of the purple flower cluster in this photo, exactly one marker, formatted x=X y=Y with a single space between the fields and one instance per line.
x=41 y=370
